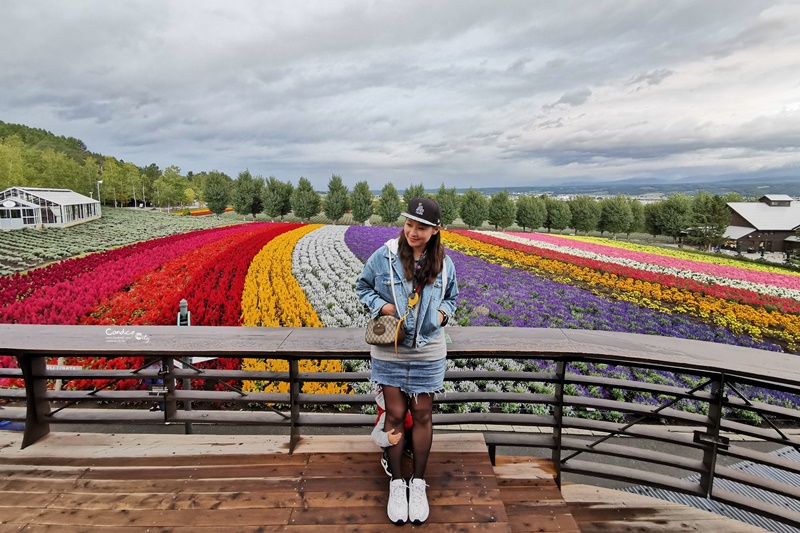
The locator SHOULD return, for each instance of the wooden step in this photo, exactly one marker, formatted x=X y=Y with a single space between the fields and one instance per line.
x=531 y=497
x=87 y=482
x=152 y=483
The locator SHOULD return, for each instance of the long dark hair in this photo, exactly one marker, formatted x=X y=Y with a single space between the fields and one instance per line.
x=431 y=265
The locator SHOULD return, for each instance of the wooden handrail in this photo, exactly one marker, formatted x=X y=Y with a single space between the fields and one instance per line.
x=720 y=369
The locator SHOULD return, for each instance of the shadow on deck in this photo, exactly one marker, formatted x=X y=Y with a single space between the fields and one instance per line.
x=71 y=482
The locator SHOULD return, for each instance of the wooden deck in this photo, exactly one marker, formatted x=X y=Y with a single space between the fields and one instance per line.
x=232 y=483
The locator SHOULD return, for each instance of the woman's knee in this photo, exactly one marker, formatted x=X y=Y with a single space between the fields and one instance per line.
x=395 y=418
x=422 y=414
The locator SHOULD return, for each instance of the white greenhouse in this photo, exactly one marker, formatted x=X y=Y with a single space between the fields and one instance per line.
x=31 y=207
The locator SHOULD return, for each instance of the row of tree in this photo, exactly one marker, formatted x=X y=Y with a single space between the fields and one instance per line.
x=37 y=158
x=700 y=219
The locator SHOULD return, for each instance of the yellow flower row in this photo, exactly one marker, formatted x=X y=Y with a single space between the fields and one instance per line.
x=738 y=318
x=273 y=298
x=282 y=387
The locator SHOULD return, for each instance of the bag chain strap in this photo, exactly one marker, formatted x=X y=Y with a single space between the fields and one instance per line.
x=412 y=301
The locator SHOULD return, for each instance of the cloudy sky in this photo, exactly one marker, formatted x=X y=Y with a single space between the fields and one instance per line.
x=469 y=93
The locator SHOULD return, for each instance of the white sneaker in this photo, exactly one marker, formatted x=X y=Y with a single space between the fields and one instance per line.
x=397 y=509
x=417 y=501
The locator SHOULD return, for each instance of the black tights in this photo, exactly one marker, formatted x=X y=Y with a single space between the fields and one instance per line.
x=421 y=405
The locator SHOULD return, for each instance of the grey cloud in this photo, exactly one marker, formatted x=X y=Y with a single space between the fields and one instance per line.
x=98 y=113
x=519 y=64
x=401 y=90
x=572 y=98
x=654 y=77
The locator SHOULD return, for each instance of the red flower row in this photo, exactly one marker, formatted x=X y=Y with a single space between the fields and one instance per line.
x=64 y=292
x=154 y=296
x=215 y=298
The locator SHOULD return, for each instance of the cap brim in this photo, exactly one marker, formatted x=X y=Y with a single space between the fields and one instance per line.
x=418 y=219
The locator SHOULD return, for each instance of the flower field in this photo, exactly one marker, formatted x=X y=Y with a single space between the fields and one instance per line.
x=302 y=275
x=24 y=249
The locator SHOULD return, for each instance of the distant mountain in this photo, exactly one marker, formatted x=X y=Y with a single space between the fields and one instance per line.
x=746 y=186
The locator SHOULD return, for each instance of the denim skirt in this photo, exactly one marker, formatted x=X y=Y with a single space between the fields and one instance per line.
x=411 y=377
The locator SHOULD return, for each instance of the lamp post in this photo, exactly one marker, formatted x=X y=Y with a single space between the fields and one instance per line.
x=98 y=182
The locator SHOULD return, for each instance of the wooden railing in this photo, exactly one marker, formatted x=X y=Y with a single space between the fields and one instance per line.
x=724 y=381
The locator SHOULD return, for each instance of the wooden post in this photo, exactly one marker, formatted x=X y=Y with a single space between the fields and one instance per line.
x=36 y=423
x=558 y=415
x=171 y=406
x=294 y=393
x=710 y=449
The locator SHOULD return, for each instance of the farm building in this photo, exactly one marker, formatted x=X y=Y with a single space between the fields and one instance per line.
x=30 y=207
x=773 y=220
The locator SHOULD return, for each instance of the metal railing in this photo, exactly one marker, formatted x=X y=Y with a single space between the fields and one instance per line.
x=725 y=385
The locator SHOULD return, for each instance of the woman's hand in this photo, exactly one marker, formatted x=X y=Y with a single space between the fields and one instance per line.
x=441 y=317
x=388 y=310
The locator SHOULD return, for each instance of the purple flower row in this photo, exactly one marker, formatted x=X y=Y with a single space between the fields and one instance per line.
x=494 y=295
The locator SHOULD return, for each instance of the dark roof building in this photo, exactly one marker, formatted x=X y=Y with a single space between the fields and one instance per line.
x=774 y=221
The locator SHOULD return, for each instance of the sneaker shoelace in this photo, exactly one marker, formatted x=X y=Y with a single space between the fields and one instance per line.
x=417 y=493
x=398 y=493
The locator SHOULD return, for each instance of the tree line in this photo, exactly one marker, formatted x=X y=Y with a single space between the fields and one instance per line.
x=700 y=219
x=32 y=157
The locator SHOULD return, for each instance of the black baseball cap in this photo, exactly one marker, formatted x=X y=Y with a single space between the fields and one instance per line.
x=424 y=210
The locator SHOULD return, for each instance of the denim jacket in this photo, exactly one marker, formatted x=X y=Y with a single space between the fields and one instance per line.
x=374 y=290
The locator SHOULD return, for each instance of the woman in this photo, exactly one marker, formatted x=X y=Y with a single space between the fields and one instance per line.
x=412 y=267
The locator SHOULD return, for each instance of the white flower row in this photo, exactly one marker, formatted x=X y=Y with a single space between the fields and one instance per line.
x=781 y=292
x=326 y=270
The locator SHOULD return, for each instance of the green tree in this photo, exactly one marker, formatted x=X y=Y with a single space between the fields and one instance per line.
x=637 y=220
x=150 y=174
x=247 y=192
x=108 y=181
x=305 y=200
x=531 y=212
x=673 y=215
x=189 y=196
x=42 y=140
x=120 y=178
x=12 y=162
x=335 y=202
x=175 y=184
x=501 y=211
x=411 y=192
x=585 y=212
x=277 y=198
x=389 y=205
x=558 y=214
x=361 y=202
x=652 y=219
x=50 y=168
x=708 y=220
x=732 y=196
x=132 y=178
x=448 y=202
x=90 y=173
x=615 y=215
x=216 y=192
x=474 y=208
